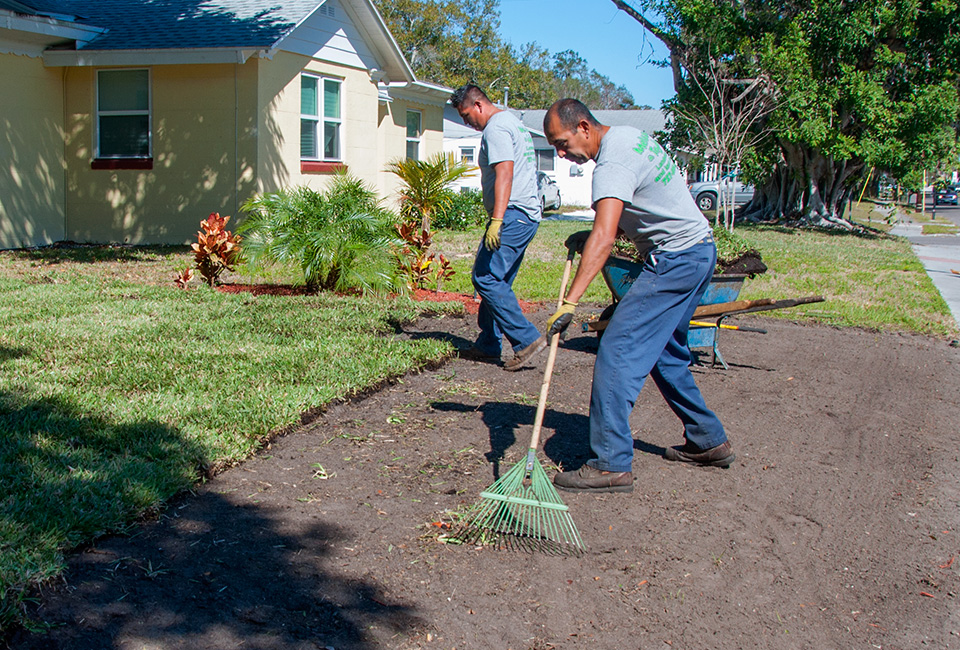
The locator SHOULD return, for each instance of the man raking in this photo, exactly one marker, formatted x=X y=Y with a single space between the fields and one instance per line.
x=637 y=190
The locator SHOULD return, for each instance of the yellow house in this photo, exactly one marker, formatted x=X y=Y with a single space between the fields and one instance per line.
x=129 y=121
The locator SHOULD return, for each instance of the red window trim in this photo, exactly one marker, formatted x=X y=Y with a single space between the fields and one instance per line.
x=122 y=163
x=317 y=167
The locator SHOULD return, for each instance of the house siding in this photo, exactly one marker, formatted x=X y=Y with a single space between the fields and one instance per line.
x=279 y=146
x=31 y=153
x=202 y=151
x=374 y=132
x=393 y=126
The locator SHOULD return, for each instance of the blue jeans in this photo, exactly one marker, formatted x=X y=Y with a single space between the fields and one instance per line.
x=493 y=275
x=647 y=335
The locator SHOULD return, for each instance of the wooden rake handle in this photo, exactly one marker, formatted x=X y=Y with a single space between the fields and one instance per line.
x=551 y=358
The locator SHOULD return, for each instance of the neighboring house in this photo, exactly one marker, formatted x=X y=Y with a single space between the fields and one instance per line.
x=131 y=121
x=574 y=181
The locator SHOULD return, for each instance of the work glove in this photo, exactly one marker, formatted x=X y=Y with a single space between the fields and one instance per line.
x=491 y=238
x=559 y=322
x=576 y=241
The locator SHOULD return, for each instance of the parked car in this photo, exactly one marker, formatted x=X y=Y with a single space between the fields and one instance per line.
x=548 y=191
x=705 y=193
x=947 y=195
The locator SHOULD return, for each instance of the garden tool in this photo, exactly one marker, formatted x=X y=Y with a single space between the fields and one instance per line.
x=522 y=509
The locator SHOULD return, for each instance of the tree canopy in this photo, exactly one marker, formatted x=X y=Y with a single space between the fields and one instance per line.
x=850 y=86
x=453 y=42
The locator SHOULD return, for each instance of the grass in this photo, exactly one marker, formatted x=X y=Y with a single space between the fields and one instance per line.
x=872 y=281
x=540 y=274
x=939 y=229
x=118 y=390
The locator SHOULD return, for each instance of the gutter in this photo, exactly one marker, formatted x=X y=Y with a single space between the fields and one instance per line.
x=422 y=91
x=169 y=56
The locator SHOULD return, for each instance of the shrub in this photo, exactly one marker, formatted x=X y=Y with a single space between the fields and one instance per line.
x=463 y=211
x=341 y=239
x=216 y=250
x=415 y=264
x=426 y=184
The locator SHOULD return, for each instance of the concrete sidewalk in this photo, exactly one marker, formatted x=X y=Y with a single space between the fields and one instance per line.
x=939 y=254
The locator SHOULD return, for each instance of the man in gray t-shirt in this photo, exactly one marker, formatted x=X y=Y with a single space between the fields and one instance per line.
x=508 y=177
x=637 y=190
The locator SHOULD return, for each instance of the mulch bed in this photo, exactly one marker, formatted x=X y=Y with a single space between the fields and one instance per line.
x=266 y=289
x=470 y=305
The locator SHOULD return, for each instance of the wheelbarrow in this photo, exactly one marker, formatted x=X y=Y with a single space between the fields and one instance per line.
x=719 y=302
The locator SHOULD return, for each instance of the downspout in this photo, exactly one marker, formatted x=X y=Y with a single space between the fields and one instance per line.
x=236 y=142
x=63 y=162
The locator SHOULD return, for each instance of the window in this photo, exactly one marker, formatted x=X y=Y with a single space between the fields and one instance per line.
x=413 y=135
x=545 y=160
x=466 y=155
x=320 y=119
x=123 y=114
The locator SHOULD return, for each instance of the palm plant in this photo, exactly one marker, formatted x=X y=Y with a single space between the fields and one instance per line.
x=342 y=239
x=426 y=184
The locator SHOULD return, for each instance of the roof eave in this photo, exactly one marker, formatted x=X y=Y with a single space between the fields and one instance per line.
x=171 y=56
x=49 y=31
x=422 y=91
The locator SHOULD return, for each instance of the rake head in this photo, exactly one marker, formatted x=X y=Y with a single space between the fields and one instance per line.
x=522 y=510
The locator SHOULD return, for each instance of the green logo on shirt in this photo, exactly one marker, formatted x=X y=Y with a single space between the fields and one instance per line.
x=665 y=165
x=530 y=154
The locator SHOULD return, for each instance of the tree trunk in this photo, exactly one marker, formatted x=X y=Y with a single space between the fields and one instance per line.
x=814 y=194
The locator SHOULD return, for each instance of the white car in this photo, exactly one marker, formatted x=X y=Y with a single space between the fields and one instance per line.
x=705 y=192
x=548 y=191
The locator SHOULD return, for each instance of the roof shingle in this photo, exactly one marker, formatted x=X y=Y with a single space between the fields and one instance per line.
x=187 y=24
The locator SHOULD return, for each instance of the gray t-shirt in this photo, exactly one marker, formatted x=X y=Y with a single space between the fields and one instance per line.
x=505 y=138
x=658 y=211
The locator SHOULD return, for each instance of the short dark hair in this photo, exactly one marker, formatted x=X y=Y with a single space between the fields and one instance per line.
x=467 y=93
x=570 y=111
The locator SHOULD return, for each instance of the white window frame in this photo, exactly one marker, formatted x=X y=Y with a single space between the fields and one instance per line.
x=419 y=138
x=98 y=154
x=470 y=152
x=542 y=155
x=320 y=120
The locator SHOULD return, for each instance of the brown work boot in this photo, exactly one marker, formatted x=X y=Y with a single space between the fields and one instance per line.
x=719 y=456
x=591 y=479
x=526 y=354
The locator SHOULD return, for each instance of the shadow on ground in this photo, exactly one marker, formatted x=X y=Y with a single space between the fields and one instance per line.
x=215 y=573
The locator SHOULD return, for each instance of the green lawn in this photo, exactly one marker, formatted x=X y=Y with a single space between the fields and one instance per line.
x=873 y=281
x=117 y=389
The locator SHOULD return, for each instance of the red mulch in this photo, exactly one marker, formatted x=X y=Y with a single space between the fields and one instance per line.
x=470 y=305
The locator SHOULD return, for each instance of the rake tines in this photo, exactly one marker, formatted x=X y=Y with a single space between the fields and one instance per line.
x=522 y=510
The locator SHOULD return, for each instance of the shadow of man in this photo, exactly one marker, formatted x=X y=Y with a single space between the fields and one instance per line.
x=505 y=421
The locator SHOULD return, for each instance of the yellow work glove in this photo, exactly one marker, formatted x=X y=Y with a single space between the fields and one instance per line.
x=491 y=238
x=559 y=322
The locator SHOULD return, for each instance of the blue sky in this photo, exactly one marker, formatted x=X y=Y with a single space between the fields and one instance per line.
x=613 y=43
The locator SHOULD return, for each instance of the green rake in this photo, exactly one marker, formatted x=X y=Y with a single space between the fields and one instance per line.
x=522 y=509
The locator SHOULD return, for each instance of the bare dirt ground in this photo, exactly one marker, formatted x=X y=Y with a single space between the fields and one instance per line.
x=837 y=527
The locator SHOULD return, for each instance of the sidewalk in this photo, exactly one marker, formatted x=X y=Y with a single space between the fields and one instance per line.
x=939 y=254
